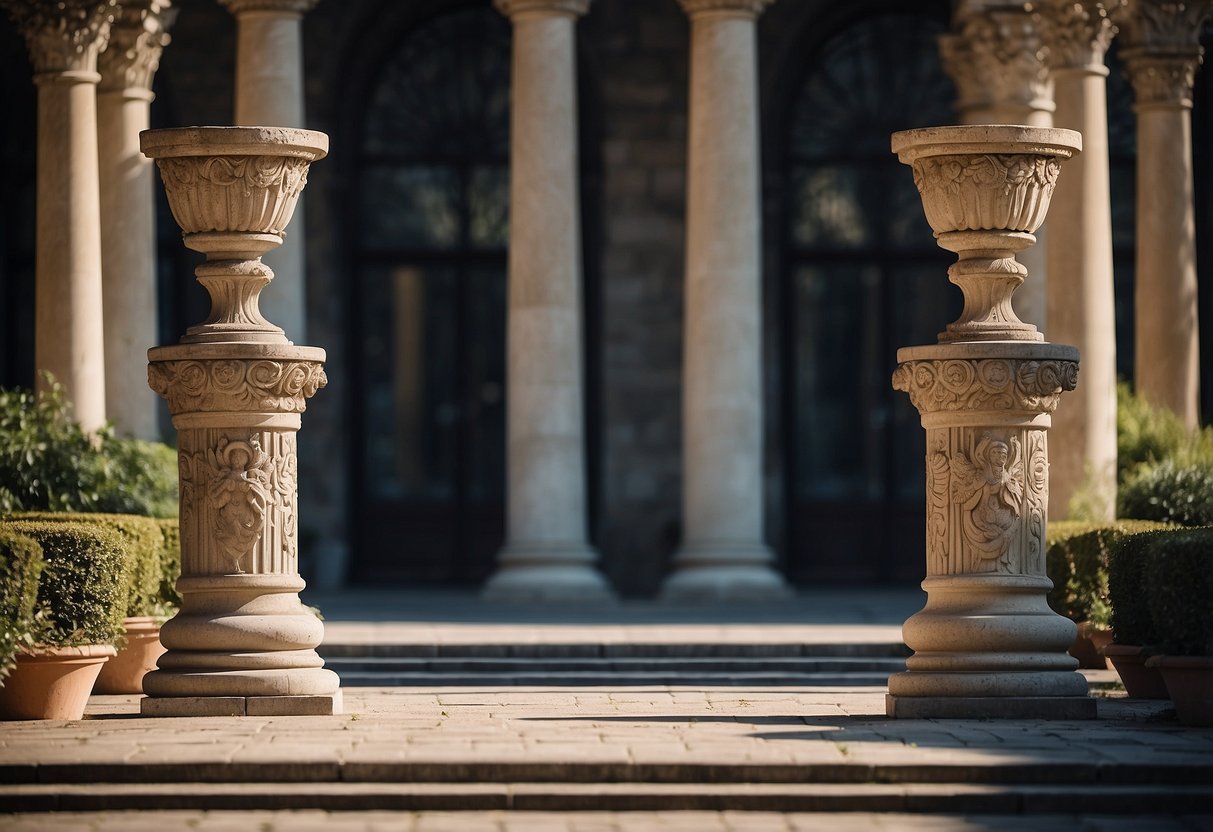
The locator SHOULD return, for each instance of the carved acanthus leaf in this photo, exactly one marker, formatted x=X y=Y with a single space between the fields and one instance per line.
x=1076 y=33
x=996 y=57
x=985 y=384
x=137 y=38
x=63 y=36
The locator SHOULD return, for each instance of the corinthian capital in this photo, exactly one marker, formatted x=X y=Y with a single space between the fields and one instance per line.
x=1160 y=42
x=996 y=56
x=743 y=8
x=293 y=7
x=1076 y=33
x=136 y=40
x=63 y=36
x=513 y=8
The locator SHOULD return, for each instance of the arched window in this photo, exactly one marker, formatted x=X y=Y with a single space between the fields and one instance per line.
x=862 y=276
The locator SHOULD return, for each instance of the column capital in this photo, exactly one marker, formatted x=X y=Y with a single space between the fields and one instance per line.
x=65 y=36
x=137 y=38
x=996 y=55
x=514 y=8
x=1160 y=42
x=1076 y=33
x=291 y=7
x=734 y=8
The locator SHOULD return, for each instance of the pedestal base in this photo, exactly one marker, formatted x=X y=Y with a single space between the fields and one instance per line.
x=327 y=705
x=724 y=573
x=548 y=575
x=990 y=707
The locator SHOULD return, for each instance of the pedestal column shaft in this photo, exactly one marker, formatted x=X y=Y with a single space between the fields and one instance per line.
x=546 y=552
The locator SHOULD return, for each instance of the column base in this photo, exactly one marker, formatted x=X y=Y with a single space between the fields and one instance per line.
x=548 y=575
x=724 y=573
x=326 y=705
x=990 y=707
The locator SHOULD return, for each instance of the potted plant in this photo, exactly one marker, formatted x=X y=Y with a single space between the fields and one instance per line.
x=1180 y=592
x=20 y=620
x=83 y=590
x=1133 y=631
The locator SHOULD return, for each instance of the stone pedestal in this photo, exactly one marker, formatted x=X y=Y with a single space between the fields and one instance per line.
x=987 y=644
x=64 y=39
x=128 y=214
x=723 y=555
x=242 y=643
x=546 y=556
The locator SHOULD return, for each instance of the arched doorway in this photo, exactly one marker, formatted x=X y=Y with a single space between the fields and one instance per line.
x=861 y=276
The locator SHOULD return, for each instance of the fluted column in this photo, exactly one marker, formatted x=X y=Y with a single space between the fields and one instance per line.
x=1081 y=297
x=128 y=214
x=546 y=554
x=723 y=554
x=269 y=93
x=994 y=54
x=1160 y=45
x=64 y=39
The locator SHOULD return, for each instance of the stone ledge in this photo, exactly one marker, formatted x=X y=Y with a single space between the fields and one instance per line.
x=328 y=705
x=990 y=707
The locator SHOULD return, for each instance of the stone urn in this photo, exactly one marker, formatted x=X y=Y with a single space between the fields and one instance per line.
x=242 y=643
x=987 y=644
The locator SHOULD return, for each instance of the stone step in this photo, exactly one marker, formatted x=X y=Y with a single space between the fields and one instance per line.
x=607 y=678
x=1002 y=799
x=611 y=650
x=720 y=664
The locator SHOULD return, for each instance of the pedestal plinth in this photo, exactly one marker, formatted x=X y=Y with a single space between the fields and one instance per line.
x=987 y=644
x=242 y=643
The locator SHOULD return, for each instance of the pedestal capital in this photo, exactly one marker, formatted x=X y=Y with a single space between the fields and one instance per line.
x=1029 y=385
x=137 y=37
x=65 y=36
x=296 y=8
x=733 y=8
x=1076 y=33
x=543 y=8
x=996 y=56
x=1160 y=44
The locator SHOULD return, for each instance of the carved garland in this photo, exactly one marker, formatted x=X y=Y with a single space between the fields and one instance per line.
x=985 y=384
x=240 y=385
x=1012 y=171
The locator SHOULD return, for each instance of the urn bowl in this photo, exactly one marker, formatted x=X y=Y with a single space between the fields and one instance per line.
x=986 y=177
x=224 y=180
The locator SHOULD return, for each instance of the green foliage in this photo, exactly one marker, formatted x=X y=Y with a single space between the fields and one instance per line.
x=83 y=585
x=170 y=563
x=48 y=463
x=1180 y=590
x=1169 y=492
x=1144 y=433
x=20 y=623
x=1128 y=570
x=1077 y=561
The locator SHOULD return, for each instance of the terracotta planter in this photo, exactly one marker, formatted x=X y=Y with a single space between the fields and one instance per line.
x=1140 y=681
x=1189 y=681
x=53 y=683
x=124 y=673
x=1088 y=646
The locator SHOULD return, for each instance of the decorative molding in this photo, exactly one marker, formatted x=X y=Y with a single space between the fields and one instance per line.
x=510 y=8
x=1005 y=172
x=137 y=38
x=63 y=36
x=1076 y=33
x=1162 y=80
x=985 y=384
x=269 y=188
x=236 y=385
x=996 y=57
x=292 y=7
x=747 y=8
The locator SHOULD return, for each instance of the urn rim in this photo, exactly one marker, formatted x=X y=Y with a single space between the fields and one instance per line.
x=178 y=142
x=969 y=139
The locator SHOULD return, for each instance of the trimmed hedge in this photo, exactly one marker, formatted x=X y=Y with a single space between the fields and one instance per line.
x=170 y=562
x=1128 y=572
x=20 y=566
x=1180 y=591
x=1077 y=560
x=83 y=586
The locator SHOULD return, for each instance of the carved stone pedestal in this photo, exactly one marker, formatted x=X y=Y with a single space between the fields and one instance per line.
x=243 y=643
x=987 y=644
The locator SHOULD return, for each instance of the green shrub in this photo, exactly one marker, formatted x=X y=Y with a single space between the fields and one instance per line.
x=1180 y=590
x=1077 y=560
x=1128 y=571
x=170 y=563
x=83 y=586
x=1169 y=492
x=1144 y=433
x=20 y=623
x=48 y=463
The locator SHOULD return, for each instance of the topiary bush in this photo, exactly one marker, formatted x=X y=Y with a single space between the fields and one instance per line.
x=170 y=563
x=1169 y=492
x=1180 y=591
x=83 y=585
x=20 y=620
x=1128 y=571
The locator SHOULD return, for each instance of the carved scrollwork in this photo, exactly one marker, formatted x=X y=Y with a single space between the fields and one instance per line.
x=1008 y=172
x=938 y=473
x=985 y=384
x=236 y=384
x=267 y=189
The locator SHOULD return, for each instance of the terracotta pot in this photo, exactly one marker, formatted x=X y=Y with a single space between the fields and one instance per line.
x=124 y=673
x=1189 y=681
x=1140 y=681
x=52 y=682
x=1088 y=646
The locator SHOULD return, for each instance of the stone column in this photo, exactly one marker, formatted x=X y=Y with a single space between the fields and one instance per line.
x=242 y=644
x=546 y=554
x=995 y=56
x=1081 y=298
x=128 y=213
x=269 y=92
x=723 y=554
x=1160 y=45
x=64 y=39
x=987 y=644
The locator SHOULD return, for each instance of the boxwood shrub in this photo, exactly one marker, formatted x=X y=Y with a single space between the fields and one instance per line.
x=20 y=620
x=1128 y=571
x=1180 y=591
x=170 y=563
x=83 y=585
x=1169 y=491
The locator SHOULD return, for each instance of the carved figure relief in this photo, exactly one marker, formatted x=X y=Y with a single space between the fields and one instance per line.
x=990 y=489
x=239 y=491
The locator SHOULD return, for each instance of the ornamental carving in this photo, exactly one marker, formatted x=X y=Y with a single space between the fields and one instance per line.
x=1166 y=81
x=1163 y=26
x=239 y=490
x=985 y=384
x=1007 y=173
x=938 y=474
x=63 y=36
x=997 y=57
x=1037 y=501
x=137 y=38
x=988 y=485
x=266 y=188
x=1077 y=33
x=236 y=385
